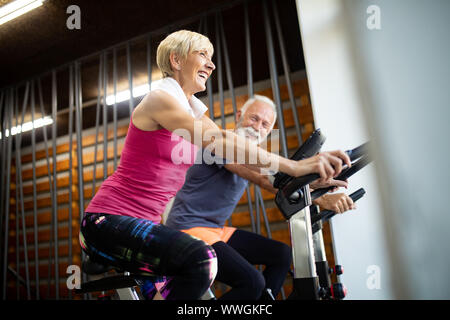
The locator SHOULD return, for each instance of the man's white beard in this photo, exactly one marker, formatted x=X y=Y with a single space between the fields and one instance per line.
x=250 y=133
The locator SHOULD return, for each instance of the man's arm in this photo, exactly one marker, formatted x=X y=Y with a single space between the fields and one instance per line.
x=337 y=202
x=251 y=176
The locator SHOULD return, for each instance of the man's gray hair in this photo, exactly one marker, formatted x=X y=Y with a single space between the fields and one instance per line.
x=264 y=99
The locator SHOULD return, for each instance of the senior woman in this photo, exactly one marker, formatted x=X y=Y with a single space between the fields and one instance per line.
x=121 y=226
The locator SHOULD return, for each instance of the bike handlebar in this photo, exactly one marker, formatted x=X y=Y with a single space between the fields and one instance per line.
x=344 y=175
x=308 y=149
x=299 y=182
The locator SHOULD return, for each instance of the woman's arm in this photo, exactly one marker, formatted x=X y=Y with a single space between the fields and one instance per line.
x=165 y=110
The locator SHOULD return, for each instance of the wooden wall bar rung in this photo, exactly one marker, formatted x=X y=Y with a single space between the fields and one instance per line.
x=46 y=235
x=44 y=290
x=300 y=88
x=44 y=253
x=242 y=219
x=65 y=147
x=63 y=165
x=45 y=218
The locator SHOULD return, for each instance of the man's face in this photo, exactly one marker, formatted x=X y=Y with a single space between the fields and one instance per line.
x=256 y=122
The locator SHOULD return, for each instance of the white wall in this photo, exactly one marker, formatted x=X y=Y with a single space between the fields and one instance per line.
x=359 y=235
x=396 y=79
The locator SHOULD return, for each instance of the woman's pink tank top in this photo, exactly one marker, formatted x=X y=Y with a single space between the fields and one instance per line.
x=152 y=169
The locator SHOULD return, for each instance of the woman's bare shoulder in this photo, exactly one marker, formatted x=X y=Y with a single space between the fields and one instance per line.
x=156 y=98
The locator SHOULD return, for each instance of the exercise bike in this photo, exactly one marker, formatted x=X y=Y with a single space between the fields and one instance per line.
x=311 y=274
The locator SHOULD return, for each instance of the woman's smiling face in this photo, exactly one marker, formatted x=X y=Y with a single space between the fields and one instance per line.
x=195 y=71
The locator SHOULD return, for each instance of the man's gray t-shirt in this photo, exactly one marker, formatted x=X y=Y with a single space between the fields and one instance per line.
x=207 y=198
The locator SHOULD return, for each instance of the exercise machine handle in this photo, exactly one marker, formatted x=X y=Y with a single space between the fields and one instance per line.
x=297 y=183
x=358 y=152
x=309 y=148
x=344 y=175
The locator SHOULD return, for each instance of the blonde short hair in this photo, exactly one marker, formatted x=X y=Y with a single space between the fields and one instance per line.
x=182 y=43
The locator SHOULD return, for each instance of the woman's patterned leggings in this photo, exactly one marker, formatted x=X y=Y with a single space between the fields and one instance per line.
x=186 y=264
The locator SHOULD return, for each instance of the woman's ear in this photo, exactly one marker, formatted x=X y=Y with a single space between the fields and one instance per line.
x=175 y=61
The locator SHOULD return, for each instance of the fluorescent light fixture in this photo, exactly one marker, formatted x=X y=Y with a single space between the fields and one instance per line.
x=17 y=8
x=125 y=95
x=28 y=126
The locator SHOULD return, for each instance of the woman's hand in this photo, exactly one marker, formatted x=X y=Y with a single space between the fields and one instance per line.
x=327 y=164
x=337 y=202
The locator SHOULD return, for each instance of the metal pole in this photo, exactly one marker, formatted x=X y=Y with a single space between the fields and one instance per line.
x=209 y=88
x=250 y=207
x=7 y=184
x=105 y=117
x=263 y=208
x=227 y=65
x=97 y=120
x=79 y=120
x=3 y=158
x=50 y=182
x=274 y=78
x=3 y=163
x=33 y=152
x=258 y=217
x=55 y=187
x=19 y=168
x=71 y=102
x=105 y=120
x=16 y=111
x=250 y=93
x=219 y=73
x=287 y=72
x=115 y=105
x=79 y=128
x=130 y=79
x=248 y=51
x=228 y=70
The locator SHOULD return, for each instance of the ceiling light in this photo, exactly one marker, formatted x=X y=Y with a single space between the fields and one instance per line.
x=16 y=8
x=125 y=95
x=28 y=126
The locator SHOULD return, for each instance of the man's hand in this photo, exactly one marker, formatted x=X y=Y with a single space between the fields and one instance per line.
x=337 y=202
x=265 y=183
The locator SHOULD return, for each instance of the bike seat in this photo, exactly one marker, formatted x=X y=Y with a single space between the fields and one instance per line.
x=91 y=267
